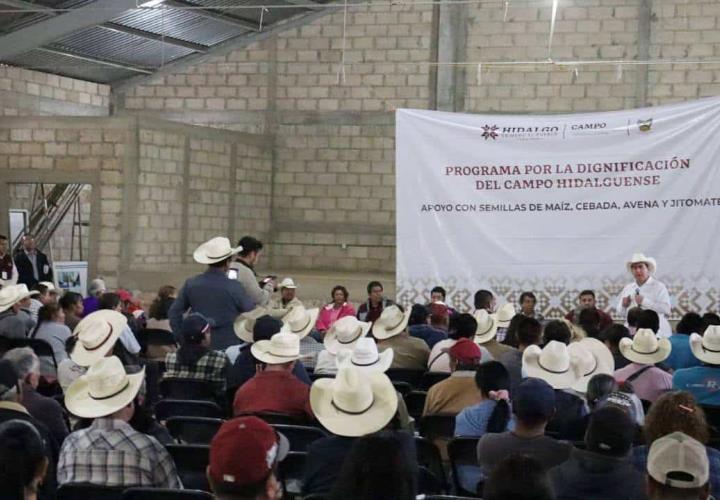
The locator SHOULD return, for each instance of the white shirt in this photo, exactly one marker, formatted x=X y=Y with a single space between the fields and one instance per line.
x=128 y=340
x=655 y=297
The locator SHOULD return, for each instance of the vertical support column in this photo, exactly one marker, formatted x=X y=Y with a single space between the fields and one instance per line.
x=232 y=209
x=185 y=213
x=271 y=128
x=643 y=70
x=451 y=48
x=130 y=199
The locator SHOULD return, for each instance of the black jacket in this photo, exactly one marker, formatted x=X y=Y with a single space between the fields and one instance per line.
x=25 y=269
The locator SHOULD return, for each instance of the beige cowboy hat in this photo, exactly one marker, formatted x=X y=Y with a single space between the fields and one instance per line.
x=353 y=403
x=345 y=333
x=392 y=321
x=103 y=390
x=554 y=363
x=245 y=322
x=504 y=315
x=96 y=335
x=215 y=250
x=25 y=293
x=706 y=348
x=287 y=283
x=49 y=285
x=641 y=257
x=486 y=326
x=281 y=348
x=299 y=320
x=9 y=296
x=595 y=357
x=645 y=348
x=365 y=357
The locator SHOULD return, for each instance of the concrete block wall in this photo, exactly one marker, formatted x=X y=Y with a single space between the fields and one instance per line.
x=25 y=92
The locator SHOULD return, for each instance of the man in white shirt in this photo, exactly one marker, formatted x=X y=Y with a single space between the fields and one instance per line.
x=646 y=292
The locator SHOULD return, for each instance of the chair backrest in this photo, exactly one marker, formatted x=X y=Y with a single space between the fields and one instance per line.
x=429 y=379
x=415 y=402
x=412 y=377
x=193 y=430
x=167 y=408
x=437 y=426
x=191 y=460
x=187 y=388
x=280 y=418
x=155 y=336
x=291 y=471
x=462 y=451
x=402 y=387
x=39 y=346
x=428 y=456
x=447 y=497
x=86 y=491
x=165 y=494
x=300 y=436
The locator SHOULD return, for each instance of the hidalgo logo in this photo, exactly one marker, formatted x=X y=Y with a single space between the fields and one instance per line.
x=645 y=125
x=490 y=132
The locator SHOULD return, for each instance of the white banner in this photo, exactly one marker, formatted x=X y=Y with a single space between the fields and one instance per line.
x=556 y=204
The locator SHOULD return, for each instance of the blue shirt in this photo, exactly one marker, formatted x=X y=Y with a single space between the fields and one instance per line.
x=215 y=296
x=681 y=355
x=638 y=457
x=703 y=382
x=430 y=335
x=472 y=422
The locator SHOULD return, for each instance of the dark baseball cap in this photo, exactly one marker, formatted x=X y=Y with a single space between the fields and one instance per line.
x=610 y=431
x=194 y=327
x=534 y=399
x=265 y=327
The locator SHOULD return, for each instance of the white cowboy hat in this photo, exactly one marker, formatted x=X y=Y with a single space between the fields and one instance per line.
x=645 y=348
x=25 y=293
x=392 y=321
x=706 y=348
x=9 y=296
x=96 y=335
x=345 y=333
x=245 y=322
x=641 y=257
x=365 y=357
x=553 y=363
x=215 y=250
x=287 y=283
x=299 y=320
x=353 y=403
x=504 y=315
x=281 y=348
x=49 y=285
x=103 y=390
x=596 y=358
x=486 y=326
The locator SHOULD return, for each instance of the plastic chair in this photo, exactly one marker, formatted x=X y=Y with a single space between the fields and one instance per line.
x=167 y=408
x=86 y=491
x=155 y=336
x=273 y=418
x=412 y=377
x=187 y=388
x=462 y=451
x=165 y=494
x=402 y=387
x=429 y=379
x=300 y=436
x=191 y=460
x=193 y=430
x=39 y=346
x=291 y=471
x=428 y=456
x=415 y=402
x=437 y=426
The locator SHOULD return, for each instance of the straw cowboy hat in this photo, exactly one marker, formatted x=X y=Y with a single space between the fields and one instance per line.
x=103 y=390
x=25 y=293
x=554 y=364
x=287 y=283
x=596 y=358
x=486 y=326
x=299 y=320
x=504 y=315
x=245 y=322
x=645 y=348
x=345 y=334
x=706 y=348
x=96 y=335
x=391 y=322
x=637 y=258
x=281 y=348
x=9 y=296
x=215 y=250
x=366 y=358
x=353 y=403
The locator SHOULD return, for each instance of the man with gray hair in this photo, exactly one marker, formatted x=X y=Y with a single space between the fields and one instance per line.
x=44 y=409
x=91 y=303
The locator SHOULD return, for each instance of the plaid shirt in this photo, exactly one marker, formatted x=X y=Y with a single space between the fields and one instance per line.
x=309 y=350
x=211 y=367
x=112 y=453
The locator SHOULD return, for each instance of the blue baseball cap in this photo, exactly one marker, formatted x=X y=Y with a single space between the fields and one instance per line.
x=194 y=327
x=534 y=399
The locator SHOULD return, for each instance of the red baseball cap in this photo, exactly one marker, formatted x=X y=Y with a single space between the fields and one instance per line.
x=244 y=451
x=465 y=351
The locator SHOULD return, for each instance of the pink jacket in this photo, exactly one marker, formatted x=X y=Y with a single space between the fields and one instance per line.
x=325 y=319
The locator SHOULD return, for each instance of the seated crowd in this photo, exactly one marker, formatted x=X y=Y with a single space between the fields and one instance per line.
x=574 y=408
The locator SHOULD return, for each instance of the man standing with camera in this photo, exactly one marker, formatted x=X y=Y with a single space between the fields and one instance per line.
x=243 y=270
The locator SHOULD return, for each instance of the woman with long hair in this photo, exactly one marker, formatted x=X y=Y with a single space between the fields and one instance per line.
x=158 y=313
x=52 y=329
